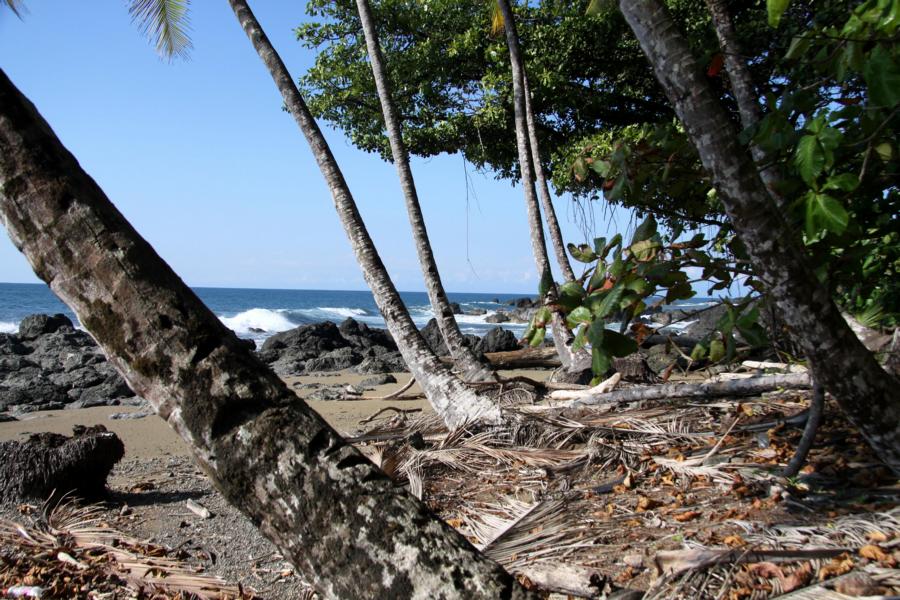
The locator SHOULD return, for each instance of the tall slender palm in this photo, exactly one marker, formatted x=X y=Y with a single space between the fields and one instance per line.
x=474 y=368
x=743 y=88
x=562 y=337
x=456 y=403
x=865 y=391
x=340 y=521
x=559 y=246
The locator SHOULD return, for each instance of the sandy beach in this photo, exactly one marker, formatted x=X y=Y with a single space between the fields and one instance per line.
x=151 y=437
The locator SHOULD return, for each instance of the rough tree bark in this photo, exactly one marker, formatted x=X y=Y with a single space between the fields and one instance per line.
x=456 y=403
x=345 y=526
x=865 y=391
x=473 y=368
x=559 y=246
x=574 y=362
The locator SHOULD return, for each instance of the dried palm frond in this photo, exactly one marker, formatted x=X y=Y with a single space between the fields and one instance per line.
x=68 y=549
x=517 y=533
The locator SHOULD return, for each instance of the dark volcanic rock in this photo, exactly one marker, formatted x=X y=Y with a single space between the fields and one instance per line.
x=34 y=326
x=498 y=340
x=382 y=379
x=50 y=365
x=456 y=308
x=435 y=340
x=49 y=463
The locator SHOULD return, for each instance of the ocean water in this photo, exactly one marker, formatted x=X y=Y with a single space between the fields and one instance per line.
x=259 y=313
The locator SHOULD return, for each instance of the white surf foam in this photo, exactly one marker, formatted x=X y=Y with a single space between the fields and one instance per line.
x=8 y=327
x=343 y=311
x=257 y=318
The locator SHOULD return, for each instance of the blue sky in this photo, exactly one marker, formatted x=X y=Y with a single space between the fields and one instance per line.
x=201 y=159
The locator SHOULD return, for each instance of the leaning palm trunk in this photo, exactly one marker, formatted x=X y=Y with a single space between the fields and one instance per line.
x=342 y=523
x=562 y=337
x=865 y=391
x=456 y=403
x=559 y=247
x=473 y=368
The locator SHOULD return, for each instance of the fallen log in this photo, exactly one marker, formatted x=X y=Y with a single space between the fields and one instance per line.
x=526 y=358
x=679 y=340
x=737 y=387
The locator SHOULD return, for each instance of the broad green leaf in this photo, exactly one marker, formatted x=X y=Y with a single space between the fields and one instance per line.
x=538 y=338
x=846 y=182
x=541 y=317
x=581 y=252
x=598 y=278
x=610 y=302
x=716 y=350
x=809 y=158
x=644 y=231
x=754 y=334
x=775 y=9
x=618 y=265
x=579 y=169
x=600 y=362
x=679 y=291
x=644 y=250
x=596 y=332
x=615 y=241
x=698 y=353
x=570 y=295
x=617 y=344
x=601 y=167
x=639 y=285
x=579 y=315
x=599 y=245
x=799 y=45
x=882 y=74
x=580 y=338
x=824 y=213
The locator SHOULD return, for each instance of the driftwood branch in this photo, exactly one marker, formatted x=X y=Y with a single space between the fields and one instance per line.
x=737 y=387
x=572 y=580
x=526 y=358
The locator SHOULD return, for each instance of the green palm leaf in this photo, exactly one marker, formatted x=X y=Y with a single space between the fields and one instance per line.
x=165 y=23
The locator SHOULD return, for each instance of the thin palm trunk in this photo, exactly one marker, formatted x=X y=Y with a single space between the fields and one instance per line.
x=562 y=337
x=456 y=403
x=344 y=525
x=743 y=89
x=865 y=391
x=473 y=368
x=559 y=247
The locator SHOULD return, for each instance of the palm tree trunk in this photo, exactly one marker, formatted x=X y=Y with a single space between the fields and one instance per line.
x=743 y=88
x=473 y=368
x=865 y=391
x=559 y=247
x=456 y=403
x=341 y=522
x=562 y=337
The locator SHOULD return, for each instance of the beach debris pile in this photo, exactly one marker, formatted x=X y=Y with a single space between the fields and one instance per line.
x=674 y=499
x=69 y=552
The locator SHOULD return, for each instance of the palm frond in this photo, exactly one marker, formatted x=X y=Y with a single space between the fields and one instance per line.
x=497 y=23
x=17 y=6
x=165 y=23
x=871 y=316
